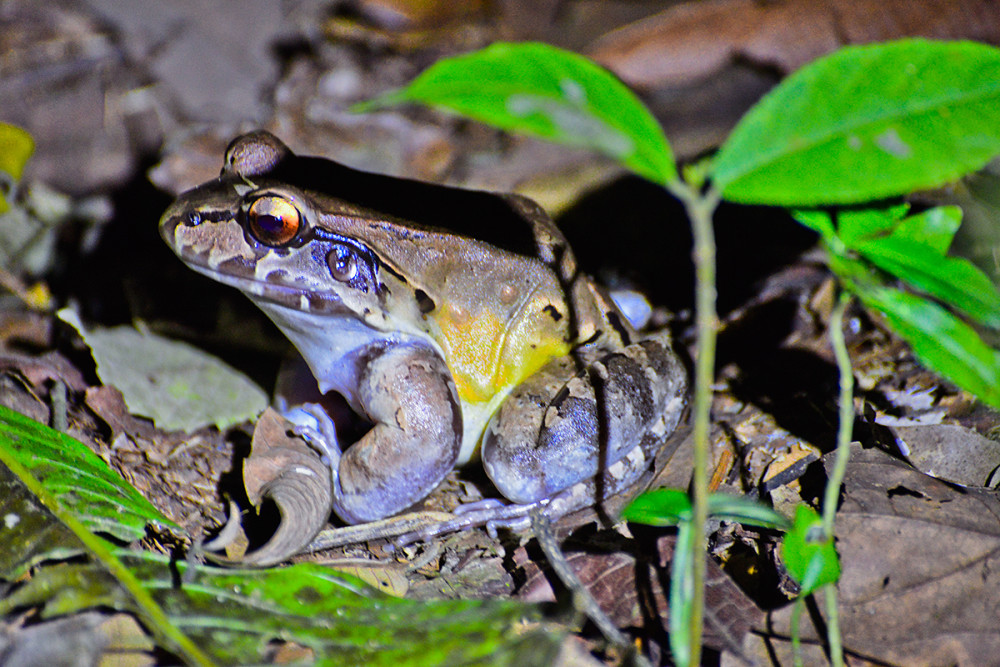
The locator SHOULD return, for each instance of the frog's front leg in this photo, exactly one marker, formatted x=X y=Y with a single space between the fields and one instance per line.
x=407 y=392
x=566 y=424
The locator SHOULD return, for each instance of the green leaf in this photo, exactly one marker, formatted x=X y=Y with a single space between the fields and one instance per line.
x=78 y=478
x=851 y=270
x=953 y=280
x=659 y=507
x=16 y=147
x=746 y=511
x=175 y=384
x=550 y=93
x=808 y=553
x=44 y=480
x=940 y=340
x=236 y=615
x=852 y=223
x=934 y=228
x=670 y=507
x=866 y=123
x=29 y=533
x=818 y=220
x=855 y=224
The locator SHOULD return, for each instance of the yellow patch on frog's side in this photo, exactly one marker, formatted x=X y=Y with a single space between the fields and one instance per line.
x=487 y=356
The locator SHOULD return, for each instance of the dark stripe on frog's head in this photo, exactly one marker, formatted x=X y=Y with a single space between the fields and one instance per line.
x=468 y=213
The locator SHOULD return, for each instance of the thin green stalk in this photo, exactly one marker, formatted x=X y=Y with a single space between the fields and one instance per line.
x=700 y=209
x=846 y=405
x=796 y=632
x=832 y=494
x=833 y=625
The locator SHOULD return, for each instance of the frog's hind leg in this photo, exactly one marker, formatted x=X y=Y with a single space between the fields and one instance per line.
x=575 y=418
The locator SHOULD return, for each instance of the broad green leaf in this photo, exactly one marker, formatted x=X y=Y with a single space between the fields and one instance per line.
x=16 y=147
x=953 y=280
x=237 y=615
x=80 y=508
x=659 y=507
x=29 y=534
x=842 y=227
x=744 y=510
x=669 y=507
x=866 y=123
x=544 y=91
x=934 y=228
x=855 y=224
x=820 y=221
x=179 y=386
x=851 y=270
x=233 y=615
x=78 y=478
x=940 y=340
x=808 y=553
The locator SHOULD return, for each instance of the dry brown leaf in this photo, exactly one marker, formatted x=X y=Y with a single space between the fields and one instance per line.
x=388 y=577
x=701 y=65
x=695 y=40
x=920 y=558
x=951 y=452
x=109 y=406
x=25 y=327
x=38 y=370
x=630 y=590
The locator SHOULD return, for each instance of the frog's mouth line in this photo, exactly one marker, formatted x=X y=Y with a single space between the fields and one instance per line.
x=291 y=297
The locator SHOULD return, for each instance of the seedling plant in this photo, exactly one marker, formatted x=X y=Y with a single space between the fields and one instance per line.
x=838 y=143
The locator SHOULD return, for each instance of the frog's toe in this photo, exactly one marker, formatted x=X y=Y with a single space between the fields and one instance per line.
x=491 y=513
x=314 y=424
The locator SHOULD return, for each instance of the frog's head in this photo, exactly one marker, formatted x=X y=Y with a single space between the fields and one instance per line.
x=266 y=227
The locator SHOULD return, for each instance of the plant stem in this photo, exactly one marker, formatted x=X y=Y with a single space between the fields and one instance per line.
x=700 y=208
x=832 y=493
x=833 y=625
x=796 y=632
x=846 y=405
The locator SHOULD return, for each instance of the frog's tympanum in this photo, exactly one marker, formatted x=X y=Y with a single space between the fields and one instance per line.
x=456 y=322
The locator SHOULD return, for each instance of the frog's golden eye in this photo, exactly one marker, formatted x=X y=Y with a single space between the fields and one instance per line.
x=273 y=220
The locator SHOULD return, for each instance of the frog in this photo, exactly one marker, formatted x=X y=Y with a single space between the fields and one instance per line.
x=455 y=322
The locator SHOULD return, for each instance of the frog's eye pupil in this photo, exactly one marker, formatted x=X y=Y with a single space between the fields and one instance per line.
x=343 y=264
x=273 y=221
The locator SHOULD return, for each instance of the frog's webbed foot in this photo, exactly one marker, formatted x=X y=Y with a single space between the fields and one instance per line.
x=490 y=513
